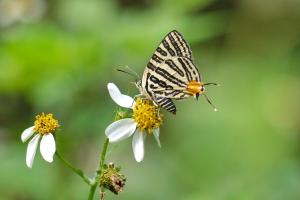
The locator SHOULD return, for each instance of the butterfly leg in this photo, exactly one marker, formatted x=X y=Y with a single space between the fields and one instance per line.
x=139 y=96
x=143 y=97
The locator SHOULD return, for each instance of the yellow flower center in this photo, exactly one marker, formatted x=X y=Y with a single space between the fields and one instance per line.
x=45 y=124
x=146 y=115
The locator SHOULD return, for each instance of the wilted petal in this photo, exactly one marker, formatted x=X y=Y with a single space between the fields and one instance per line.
x=156 y=136
x=48 y=147
x=120 y=130
x=27 y=133
x=138 y=145
x=31 y=149
x=120 y=99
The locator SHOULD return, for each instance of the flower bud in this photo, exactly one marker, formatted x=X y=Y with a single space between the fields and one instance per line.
x=112 y=179
x=120 y=115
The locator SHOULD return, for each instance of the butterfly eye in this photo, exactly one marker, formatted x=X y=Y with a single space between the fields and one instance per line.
x=202 y=89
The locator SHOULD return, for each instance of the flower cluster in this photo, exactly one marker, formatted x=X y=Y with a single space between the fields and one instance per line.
x=143 y=120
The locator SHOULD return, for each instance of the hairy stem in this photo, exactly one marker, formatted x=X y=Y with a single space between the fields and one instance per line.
x=77 y=171
x=94 y=185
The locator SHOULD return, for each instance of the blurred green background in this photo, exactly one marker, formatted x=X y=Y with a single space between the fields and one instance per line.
x=57 y=56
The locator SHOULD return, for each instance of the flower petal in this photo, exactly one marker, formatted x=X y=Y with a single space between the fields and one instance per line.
x=156 y=136
x=120 y=130
x=27 y=133
x=120 y=99
x=31 y=149
x=48 y=147
x=138 y=145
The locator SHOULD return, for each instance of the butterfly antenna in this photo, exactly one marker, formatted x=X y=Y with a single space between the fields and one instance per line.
x=217 y=84
x=133 y=72
x=209 y=101
x=126 y=72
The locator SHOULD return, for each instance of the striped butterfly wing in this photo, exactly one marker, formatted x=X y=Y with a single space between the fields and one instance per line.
x=172 y=76
x=169 y=71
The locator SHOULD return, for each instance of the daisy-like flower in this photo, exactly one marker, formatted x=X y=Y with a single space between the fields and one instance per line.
x=44 y=128
x=146 y=120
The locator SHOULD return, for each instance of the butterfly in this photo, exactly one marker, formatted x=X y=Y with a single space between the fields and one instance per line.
x=171 y=74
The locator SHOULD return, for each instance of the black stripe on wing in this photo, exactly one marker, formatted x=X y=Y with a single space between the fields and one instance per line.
x=182 y=47
x=166 y=104
x=173 y=45
x=171 y=94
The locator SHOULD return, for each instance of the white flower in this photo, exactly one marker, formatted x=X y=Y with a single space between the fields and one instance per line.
x=43 y=130
x=146 y=119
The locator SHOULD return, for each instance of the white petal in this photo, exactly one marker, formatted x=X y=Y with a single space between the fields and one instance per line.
x=27 y=133
x=120 y=130
x=48 y=147
x=120 y=99
x=156 y=136
x=31 y=149
x=138 y=145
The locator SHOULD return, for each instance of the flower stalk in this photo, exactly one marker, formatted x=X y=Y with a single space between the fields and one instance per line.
x=99 y=170
x=77 y=171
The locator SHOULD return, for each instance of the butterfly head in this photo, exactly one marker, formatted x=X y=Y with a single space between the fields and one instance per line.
x=195 y=88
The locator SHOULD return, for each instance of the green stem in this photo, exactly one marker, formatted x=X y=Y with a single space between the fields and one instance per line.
x=99 y=170
x=77 y=171
x=92 y=192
